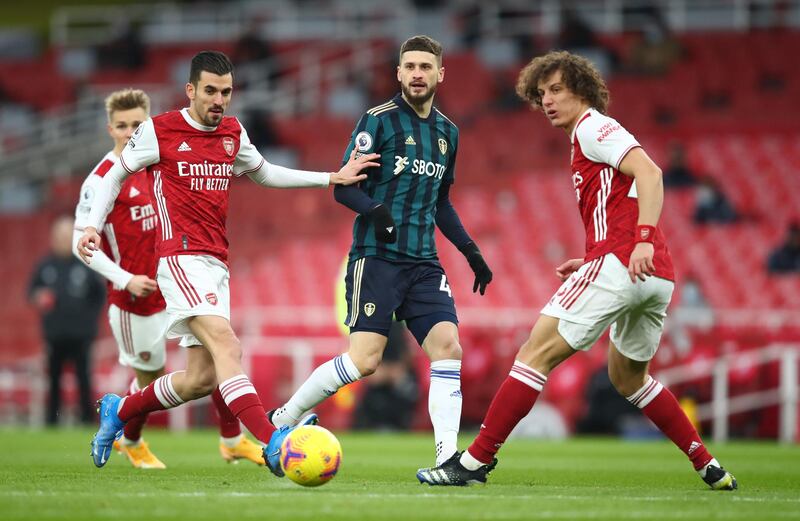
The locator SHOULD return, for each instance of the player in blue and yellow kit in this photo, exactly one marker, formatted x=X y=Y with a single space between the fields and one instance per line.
x=393 y=267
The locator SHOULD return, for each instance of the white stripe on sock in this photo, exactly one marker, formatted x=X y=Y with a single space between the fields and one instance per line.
x=527 y=375
x=165 y=392
x=236 y=387
x=647 y=393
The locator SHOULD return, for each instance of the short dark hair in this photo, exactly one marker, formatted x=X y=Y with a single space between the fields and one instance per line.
x=214 y=62
x=579 y=75
x=422 y=43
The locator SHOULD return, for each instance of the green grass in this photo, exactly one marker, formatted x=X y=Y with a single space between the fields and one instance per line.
x=49 y=475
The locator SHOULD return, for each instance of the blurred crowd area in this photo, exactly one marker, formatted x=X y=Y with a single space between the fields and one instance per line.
x=709 y=89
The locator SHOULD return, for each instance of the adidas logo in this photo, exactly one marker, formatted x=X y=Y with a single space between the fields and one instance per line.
x=134 y=192
x=693 y=447
x=455 y=394
x=410 y=141
x=184 y=147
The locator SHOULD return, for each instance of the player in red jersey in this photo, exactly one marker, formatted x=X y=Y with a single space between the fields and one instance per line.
x=137 y=311
x=191 y=156
x=625 y=279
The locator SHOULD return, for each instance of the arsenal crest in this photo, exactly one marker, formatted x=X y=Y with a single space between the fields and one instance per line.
x=145 y=356
x=211 y=298
x=369 y=308
x=227 y=144
x=442 y=146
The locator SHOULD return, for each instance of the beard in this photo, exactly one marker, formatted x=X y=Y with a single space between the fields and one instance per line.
x=417 y=99
x=212 y=119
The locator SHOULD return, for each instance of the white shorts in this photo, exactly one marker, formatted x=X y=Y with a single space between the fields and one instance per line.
x=600 y=294
x=193 y=285
x=140 y=338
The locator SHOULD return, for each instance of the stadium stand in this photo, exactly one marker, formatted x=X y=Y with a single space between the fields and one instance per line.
x=513 y=194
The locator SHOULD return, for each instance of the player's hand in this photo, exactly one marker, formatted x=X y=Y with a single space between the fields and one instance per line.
x=88 y=243
x=564 y=271
x=350 y=173
x=641 y=264
x=385 y=228
x=141 y=286
x=483 y=275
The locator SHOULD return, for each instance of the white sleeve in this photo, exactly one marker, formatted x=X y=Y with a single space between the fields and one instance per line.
x=88 y=193
x=105 y=195
x=278 y=176
x=604 y=140
x=102 y=264
x=248 y=159
x=142 y=148
x=140 y=152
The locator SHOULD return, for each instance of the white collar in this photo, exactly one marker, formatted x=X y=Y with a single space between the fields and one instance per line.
x=194 y=124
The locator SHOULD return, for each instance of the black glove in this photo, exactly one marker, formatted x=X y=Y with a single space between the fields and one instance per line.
x=483 y=275
x=385 y=229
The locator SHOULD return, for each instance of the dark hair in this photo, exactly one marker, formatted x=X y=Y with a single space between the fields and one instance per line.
x=579 y=75
x=214 y=62
x=422 y=43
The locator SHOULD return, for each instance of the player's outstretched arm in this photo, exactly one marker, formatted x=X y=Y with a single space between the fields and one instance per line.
x=650 y=193
x=352 y=171
x=277 y=176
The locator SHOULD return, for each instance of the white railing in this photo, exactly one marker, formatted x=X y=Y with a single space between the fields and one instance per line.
x=723 y=405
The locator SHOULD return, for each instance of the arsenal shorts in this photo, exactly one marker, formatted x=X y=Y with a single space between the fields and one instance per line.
x=193 y=285
x=600 y=294
x=140 y=338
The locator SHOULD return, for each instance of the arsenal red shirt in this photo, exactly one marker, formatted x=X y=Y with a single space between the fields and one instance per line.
x=129 y=235
x=191 y=166
x=607 y=198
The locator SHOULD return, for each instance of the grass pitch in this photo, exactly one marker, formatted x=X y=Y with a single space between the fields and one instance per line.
x=49 y=475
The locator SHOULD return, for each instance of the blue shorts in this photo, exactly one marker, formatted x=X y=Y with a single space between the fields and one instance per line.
x=414 y=291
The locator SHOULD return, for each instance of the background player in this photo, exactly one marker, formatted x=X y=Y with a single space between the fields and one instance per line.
x=624 y=281
x=192 y=154
x=393 y=266
x=137 y=311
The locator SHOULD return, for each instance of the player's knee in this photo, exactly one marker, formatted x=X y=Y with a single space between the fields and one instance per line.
x=367 y=364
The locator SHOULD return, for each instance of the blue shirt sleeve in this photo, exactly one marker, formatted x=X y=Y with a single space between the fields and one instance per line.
x=447 y=219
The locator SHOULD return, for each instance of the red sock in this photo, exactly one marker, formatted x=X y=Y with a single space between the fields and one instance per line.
x=157 y=396
x=241 y=398
x=133 y=429
x=660 y=405
x=512 y=402
x=228 y=423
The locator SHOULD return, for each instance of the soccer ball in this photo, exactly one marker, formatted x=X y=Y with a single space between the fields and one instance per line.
x=311 y=455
